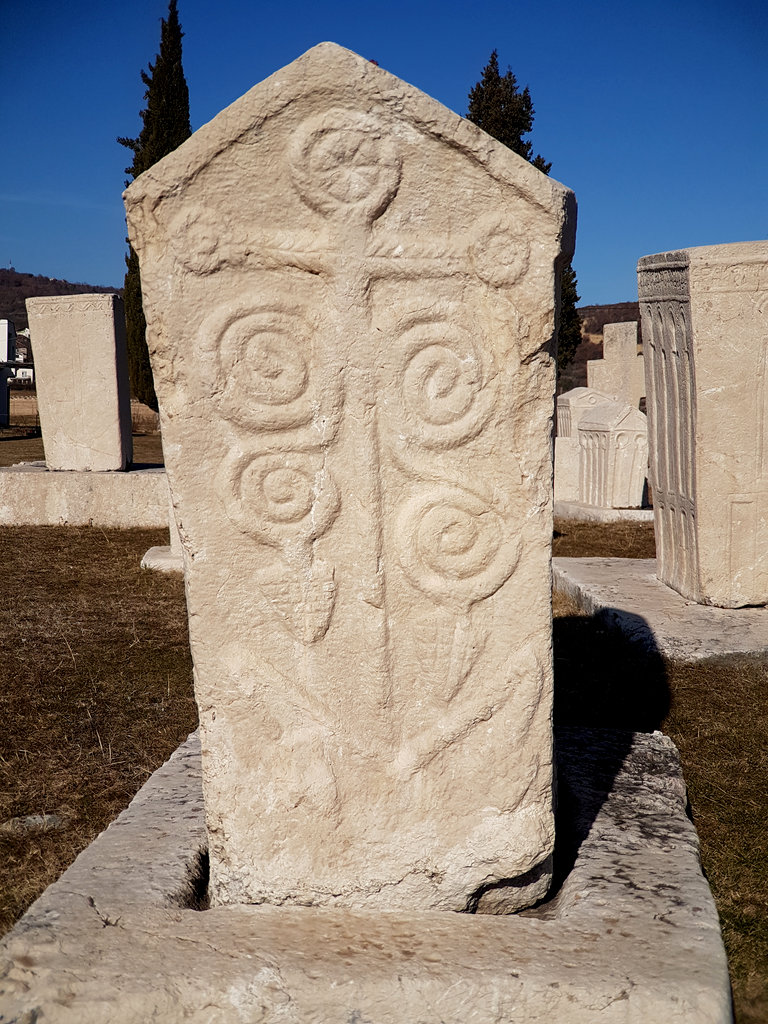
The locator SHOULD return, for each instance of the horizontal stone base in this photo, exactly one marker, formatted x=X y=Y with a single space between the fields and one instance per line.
x=31 y=495
x=630 y=936
x=596 y=514
x=628 y=596
x=162 y=559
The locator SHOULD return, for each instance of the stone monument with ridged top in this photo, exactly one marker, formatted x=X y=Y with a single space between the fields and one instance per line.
x=350 y=299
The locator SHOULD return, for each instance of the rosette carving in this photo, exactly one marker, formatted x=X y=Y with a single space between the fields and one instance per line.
x=454 y=547
x=344 y=162
x=445 y=398
x=499 y=250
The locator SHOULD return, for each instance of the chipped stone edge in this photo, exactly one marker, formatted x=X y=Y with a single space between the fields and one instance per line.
x=632 y=932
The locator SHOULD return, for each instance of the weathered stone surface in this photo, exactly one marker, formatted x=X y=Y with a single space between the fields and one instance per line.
x=592 y=513
x=350 y=302
x=705 y=321
x=621 y=371
x=613 y=442
x=573 y=405
x=82 y=381
x=31 y=495
x=632 y=936
x=628 y=596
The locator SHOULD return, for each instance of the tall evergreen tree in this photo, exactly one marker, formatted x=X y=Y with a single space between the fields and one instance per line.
x=498 y=107
x=165 y=125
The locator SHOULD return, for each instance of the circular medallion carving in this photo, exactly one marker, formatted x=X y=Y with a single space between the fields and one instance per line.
x=345 y=162
x=499 y=250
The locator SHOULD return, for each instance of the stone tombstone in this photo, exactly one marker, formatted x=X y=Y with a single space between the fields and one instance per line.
x=7 y=341
x=613 y=439
x=621 y=372
x=350 y=304
x=82 y=381
x=571 y=407
x=705 y=328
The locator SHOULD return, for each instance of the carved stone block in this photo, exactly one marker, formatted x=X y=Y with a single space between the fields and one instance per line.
x=705 y=321
x=81 y=369
x=350 y=302
x=613 y=461
x=621 y=372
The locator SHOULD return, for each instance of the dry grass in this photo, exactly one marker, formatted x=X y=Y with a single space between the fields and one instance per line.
x=95 y=692
x=21 y=444
x=95 y=689
x=717 y=714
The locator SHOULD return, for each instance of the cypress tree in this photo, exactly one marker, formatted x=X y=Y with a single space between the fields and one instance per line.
x=497 y=105
x=165 y=125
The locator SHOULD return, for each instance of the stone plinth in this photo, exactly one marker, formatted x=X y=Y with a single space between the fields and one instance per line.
x=621 y=371
x=82 y=381
x=350 y=303
x=31 y=495
x=632 y=937
x=705 y=321
x=613 y=438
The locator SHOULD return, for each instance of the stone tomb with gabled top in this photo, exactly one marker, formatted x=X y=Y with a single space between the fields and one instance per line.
x=350 y=303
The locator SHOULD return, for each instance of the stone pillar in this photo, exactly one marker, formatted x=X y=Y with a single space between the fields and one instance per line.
x=620 y=374
x=705 y=321
x=350 y=305
x=81 y=371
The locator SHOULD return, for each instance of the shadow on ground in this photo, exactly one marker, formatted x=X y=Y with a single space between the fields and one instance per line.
x=603 y=685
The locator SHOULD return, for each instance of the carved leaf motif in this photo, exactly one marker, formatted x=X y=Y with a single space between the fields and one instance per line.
x=303 y=602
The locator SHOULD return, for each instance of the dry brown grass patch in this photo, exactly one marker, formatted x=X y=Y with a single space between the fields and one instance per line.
x=95 y=689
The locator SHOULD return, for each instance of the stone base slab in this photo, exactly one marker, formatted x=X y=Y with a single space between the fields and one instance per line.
x=626 y=593
x=631 y=936
x=596 y=514
x=162 y=559
x=31 y=495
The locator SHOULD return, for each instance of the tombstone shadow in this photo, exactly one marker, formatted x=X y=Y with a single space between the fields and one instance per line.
x=606 y=688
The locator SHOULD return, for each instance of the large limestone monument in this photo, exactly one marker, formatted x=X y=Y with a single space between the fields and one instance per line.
x=350 y=301
x=705 y=328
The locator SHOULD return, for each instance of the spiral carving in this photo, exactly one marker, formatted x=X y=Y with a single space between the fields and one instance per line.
x=345 y=162
x=260 y=366
x=282 y=499
x=445 y=397
x=453 y=547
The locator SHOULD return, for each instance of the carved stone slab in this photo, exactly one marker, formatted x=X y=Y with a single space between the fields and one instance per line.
x=82 y=381
x=705 y=322
x=620 y=373
x=350 y=302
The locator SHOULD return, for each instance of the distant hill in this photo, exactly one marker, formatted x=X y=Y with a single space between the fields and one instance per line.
x=16 y=287
x=594 y=318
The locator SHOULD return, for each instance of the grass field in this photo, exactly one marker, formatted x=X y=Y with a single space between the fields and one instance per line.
x=96 y=692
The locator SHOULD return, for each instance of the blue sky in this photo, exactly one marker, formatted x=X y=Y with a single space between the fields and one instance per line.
x=655 y=114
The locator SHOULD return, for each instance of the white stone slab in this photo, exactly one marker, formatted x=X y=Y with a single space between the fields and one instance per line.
x=632 y=936
x=613 y=463
x=628 y=595
x=350 y=299
x=705 y=324
x=621 y=371
x=82 y=381
x=594 y=514
x=31 y=495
